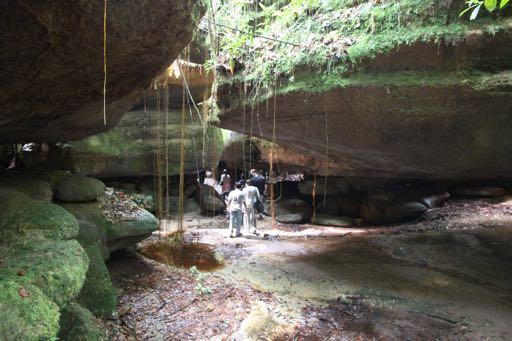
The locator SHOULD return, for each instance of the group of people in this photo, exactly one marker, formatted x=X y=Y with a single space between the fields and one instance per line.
x=244 y=202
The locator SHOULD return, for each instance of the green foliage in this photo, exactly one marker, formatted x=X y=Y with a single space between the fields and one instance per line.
x=474 y=6
x=200 y=277
x=326 y=43
x=201 y=289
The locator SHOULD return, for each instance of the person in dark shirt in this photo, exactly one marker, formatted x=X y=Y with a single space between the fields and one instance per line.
x=242 y=179
x=258 y=181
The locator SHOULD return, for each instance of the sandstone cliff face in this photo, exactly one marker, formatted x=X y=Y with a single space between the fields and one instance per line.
x=151 y=128
x=52 y=62
x=410 y=114
x=423 y=106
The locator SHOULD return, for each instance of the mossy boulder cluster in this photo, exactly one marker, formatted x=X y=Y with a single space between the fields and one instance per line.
x=52 y=256
x=42 y=268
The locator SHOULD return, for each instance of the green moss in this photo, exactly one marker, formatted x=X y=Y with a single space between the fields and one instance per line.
x=31 y=318
x=25 y=218
x=36 y=189
x=56 y=267
x=79 y=324
x=98 y=293
x=78 y=188
x=336 y=39
x=39 y=263
x=143 y=223
x=93 y=224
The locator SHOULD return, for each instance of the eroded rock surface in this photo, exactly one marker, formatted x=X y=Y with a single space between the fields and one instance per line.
x=52 y=69
x=426 y=109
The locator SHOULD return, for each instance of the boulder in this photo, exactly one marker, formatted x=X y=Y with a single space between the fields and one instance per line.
x=372 y=212
x=125 y=233
x=26 y=313
x=478 y=192
x=92 y=225
x=98 y=293
x=291 y=218
x=334 y=186
x=36 y=189
x=22 y=217
x=128 y=149
x=405 y=211
x=79 y=324
x=209 y=200
x=189 y=205
x=42 y=271
x=57 y=268
x=340 y=205
x=330 y=220
x=292 y=211
x=59 y=55
x=76 y=188
x=435 y=200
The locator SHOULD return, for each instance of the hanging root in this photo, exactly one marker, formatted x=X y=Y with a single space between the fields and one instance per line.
x=314 y=198
x=105 y=62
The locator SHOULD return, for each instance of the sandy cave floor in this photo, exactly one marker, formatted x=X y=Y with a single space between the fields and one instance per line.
x=448 y=276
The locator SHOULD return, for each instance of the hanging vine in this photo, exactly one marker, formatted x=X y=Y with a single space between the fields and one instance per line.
x=105 y=62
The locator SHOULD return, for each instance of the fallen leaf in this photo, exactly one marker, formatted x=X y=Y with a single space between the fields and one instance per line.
x=23 y=293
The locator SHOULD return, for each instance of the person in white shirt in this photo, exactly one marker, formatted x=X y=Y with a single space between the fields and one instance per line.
x=209 y=180
x=252 y=197
x=236 y=204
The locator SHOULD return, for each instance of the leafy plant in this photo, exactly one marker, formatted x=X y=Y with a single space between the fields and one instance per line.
x=474 y=7
x=200 y=277
x=202 y=289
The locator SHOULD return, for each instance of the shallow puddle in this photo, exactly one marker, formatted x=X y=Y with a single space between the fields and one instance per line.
x=184 y=255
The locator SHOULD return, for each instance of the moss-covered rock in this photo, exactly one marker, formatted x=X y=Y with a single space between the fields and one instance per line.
x=57 y=268
x=79 y=324
x=128 y=148
x=189 y=205
x=98 y=293
x=21 y=217
x=35 y=188
x=78 y=188
x=92 y=223
x=128 y=232
x=26 y=313
x=41 y=270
